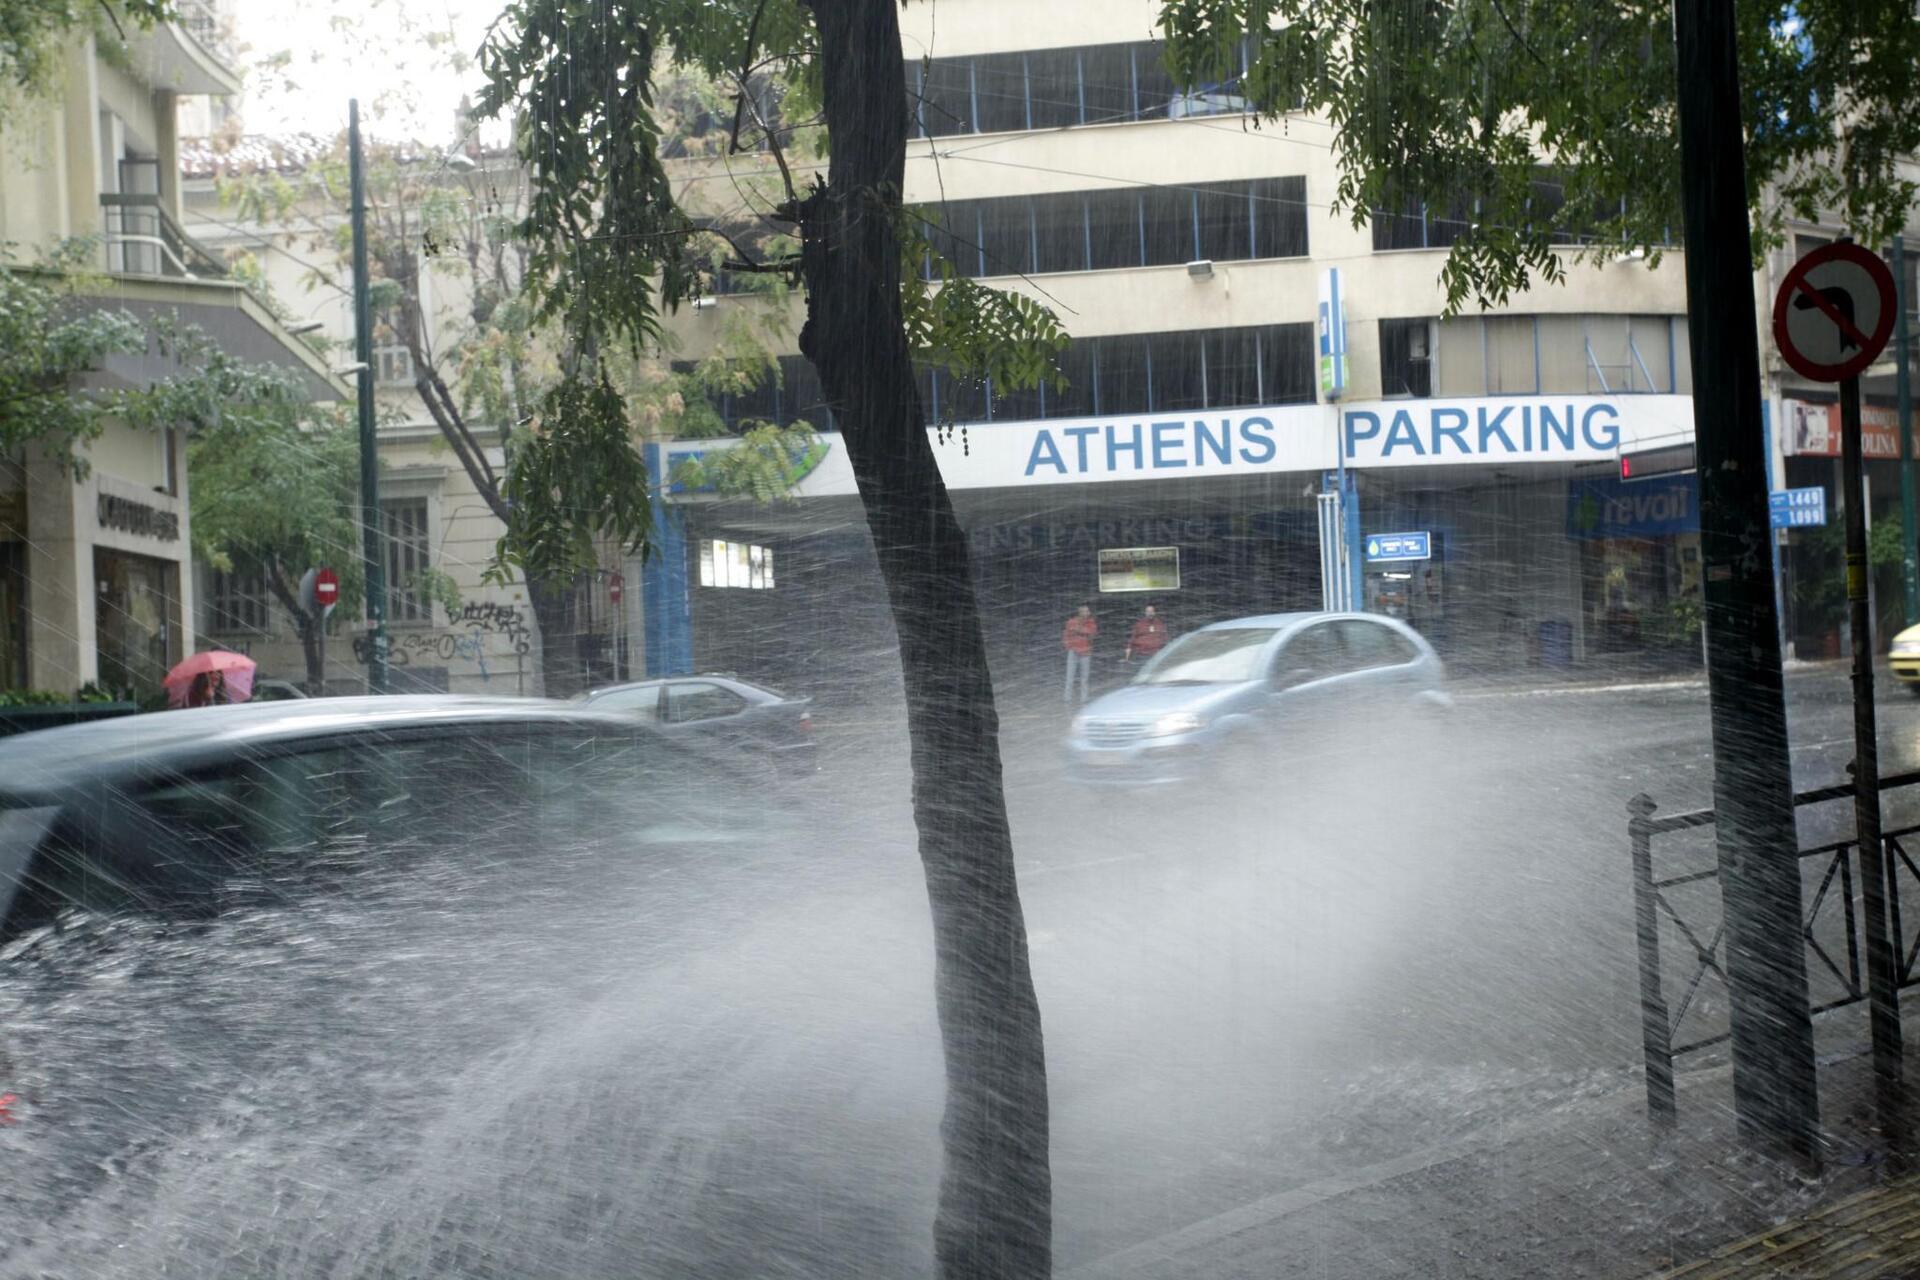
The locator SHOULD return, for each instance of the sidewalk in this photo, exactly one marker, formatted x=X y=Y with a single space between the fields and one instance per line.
x=1875 y=1233
x=1584 y=1190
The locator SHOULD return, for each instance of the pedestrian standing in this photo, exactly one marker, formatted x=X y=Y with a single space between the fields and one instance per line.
x=1077 y=640
x=1149 y=636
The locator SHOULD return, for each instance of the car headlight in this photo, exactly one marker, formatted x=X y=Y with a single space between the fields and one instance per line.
x=1906 y=648
x=1176 y=722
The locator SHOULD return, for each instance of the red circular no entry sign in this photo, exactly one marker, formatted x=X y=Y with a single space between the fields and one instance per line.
x=1834 y=312
x=326 y=588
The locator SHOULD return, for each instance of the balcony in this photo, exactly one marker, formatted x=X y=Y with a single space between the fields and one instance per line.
x=143 y=239
x=209 y=30
x=190 y=54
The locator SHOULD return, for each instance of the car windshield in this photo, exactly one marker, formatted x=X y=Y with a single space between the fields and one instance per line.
x=1210 y=657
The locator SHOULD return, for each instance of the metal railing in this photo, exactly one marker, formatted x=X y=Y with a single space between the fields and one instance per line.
x=202 y=20
x=1836 y=862
x=143 y=239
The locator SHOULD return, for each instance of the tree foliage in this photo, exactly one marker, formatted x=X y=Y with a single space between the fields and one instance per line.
x=33 y=33
x=47 y=343
x=1459 y=105
x=280 y=494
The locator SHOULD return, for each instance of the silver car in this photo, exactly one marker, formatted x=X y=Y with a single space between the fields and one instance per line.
x=1250 y=694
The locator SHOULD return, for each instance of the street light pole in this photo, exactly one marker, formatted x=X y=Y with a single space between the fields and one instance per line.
x=371 y=530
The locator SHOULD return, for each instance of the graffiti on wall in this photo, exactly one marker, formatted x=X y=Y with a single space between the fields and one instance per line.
x=465 y=638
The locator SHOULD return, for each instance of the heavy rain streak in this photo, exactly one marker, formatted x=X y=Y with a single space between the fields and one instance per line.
x=956 y=639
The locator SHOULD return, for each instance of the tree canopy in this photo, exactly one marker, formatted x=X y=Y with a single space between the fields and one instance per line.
x=1548 y=128
x=34 y=32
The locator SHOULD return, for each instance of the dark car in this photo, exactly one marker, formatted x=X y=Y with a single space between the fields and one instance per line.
x=188 y=812
x=722 y=709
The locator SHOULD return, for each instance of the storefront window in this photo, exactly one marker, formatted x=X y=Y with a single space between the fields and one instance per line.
x=134 y=626
x=13 y=615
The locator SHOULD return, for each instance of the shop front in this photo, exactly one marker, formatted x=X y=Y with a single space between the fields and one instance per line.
x=136 y=619
x=1211 y=519
x=1640 y=582
x=103 y=578
x=1813 y=559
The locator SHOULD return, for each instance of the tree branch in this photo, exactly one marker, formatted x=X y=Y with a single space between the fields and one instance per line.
x=114 y=18
x=454 y=430
x=779 y=266
x=283 y=592
x=1514 y=31
x=773 y=142
x=746 y=72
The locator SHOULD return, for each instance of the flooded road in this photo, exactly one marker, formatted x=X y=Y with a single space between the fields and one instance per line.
x=729 y=1066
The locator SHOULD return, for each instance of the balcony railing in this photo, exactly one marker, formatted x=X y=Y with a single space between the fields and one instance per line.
x=203 y=22
x=144 y=240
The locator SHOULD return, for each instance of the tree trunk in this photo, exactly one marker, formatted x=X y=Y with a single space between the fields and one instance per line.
x=307 y=624
x=556 y=611
x=310 y=649
x=995 y=1215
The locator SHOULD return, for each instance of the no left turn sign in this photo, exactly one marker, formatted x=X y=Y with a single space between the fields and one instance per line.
x=1834 y=312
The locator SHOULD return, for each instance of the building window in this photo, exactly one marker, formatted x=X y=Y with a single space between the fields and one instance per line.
x=736 y=564
x=1414 y=224
x=1129 y=227
x=1406 y=357
x=392 y=362
x=408 y=560
x=239 y=601
x=1055 y=88
x=1176 y=372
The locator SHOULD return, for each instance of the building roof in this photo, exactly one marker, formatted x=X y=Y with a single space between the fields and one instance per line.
x=258 y=153
x=252 y=153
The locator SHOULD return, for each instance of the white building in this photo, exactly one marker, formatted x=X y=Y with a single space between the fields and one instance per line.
x=1193 y=256
x=95 y=575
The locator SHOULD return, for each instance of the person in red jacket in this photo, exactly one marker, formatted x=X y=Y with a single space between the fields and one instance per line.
x=1077 y=640
x=1149 y=636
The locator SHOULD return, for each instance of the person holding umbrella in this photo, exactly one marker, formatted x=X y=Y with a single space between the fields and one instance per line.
x=209 y=679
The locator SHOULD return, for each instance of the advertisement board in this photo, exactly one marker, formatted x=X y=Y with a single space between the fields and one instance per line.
x=1139 y=569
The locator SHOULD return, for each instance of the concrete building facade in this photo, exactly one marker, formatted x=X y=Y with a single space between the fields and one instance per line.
x=96 y=580
x=1195 y=256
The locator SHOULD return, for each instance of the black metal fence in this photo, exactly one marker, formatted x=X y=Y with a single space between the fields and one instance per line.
x=1834 y=947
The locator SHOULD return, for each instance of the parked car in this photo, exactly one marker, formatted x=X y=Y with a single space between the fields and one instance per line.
x=276 y=691
x=1249 y=695
x=723 y=709
x=1904 y=658
x=188 y=813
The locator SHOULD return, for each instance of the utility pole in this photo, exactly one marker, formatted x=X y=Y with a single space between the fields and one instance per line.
x=370 y=523
x=1883 y=978
x=1775 y=1100
x=1903 y=390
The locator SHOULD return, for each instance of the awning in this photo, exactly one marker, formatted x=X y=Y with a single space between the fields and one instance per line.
x=225 y=311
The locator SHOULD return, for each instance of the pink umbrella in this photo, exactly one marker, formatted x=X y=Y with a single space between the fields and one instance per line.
x=232 y=671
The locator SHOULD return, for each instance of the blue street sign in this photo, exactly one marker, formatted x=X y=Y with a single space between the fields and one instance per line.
x=1400 y=546
x=1798 y=508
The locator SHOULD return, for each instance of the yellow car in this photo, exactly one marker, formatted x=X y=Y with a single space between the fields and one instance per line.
x=1905 y=658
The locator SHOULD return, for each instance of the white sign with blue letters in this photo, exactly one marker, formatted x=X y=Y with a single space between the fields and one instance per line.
x=1426 y=433
x=1302 y=438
